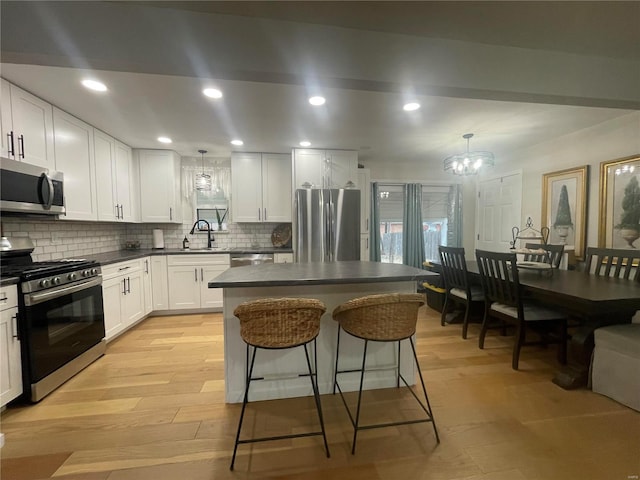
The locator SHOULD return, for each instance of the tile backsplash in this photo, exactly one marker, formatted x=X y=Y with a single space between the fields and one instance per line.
x=55 y=239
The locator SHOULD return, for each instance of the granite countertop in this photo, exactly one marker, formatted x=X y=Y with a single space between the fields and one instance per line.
x=289 y=274
x=9 y=281
x=124 y=255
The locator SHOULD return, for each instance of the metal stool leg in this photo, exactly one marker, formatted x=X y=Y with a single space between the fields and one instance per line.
x=335 y=371
x=355 y=427
x=316 y=394
x=398 y=371
x=424 y=389
x=244 y=405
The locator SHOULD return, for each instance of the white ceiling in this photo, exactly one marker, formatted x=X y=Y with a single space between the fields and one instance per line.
x=152 y=91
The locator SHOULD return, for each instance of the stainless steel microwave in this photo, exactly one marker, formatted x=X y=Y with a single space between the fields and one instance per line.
x=31 y=189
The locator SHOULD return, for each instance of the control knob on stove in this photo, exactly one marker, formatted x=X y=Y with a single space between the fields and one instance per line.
x=72 y=276
x=86 y=273
x=55 y=280
x=94 y=271
x=44 y=283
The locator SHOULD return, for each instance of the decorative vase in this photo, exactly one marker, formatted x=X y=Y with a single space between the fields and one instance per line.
x=630 y=235
x=563 y=232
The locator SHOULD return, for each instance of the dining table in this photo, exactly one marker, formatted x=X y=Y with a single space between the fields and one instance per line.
x=592 y=301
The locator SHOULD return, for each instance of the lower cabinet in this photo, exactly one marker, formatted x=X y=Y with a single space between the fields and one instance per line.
x=188 y=276
x=364 y=247
x=283 y=258
x=147 y=285
x=159 y=284
x=123 y=296
x=10 y=363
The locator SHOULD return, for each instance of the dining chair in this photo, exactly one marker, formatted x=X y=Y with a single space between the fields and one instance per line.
x=613 y=262
x=552 y=253
x=387 y=317
x=458 y=288
x=504 y=303
x=280 y=323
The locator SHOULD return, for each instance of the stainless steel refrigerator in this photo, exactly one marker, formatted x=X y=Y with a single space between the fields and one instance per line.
x=327 y=225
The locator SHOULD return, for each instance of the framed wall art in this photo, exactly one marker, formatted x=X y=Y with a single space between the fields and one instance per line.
x=619 y=218
x=564 y=207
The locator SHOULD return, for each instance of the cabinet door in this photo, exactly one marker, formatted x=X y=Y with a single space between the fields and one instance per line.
x=308 y=167
x=10 y=364
x=246 y=187
x=147 y=285
x=364 y=247
x=124 y=176
x=364 y=184
x=159 y=177
x=33 y=121
x=133 y=300
x=343 y=166
x=6 y=123
x=159 y=285
x=112 y=293
x=104 y=151
x=283 y=258
x=75 y=158
x=276 y=188
x=210 y=297
x=184 y=287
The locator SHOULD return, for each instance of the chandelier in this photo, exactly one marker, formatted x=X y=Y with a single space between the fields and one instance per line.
x=468 y=163
x=203 y=181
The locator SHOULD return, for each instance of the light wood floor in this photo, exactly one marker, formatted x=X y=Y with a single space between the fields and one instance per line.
x=153 y=408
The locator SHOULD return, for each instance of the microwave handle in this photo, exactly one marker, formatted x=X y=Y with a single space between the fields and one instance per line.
x=48 y=199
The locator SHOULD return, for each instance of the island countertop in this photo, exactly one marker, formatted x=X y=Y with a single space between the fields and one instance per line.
x=329 y=273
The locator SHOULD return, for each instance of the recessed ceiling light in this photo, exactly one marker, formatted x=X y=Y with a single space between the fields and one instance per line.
x=237 y=142
x=316 y=101
x=164 y=140
x=304 y=143
x=94 y=85
x=212 y=92
x=410 y=107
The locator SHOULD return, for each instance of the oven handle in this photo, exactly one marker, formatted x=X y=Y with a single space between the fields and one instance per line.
x=36 y=298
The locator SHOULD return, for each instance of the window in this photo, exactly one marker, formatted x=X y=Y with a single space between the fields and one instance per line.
x=441 y=219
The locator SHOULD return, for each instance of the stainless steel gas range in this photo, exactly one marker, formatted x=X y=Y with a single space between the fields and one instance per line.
x=60 y=316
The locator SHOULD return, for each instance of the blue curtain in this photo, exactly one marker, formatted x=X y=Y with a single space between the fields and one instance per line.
x=412 y=234
x=374 y=228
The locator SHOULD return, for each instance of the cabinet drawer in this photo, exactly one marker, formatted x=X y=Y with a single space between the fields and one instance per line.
x=121 y=268
x=198 y=260
x=8 y=297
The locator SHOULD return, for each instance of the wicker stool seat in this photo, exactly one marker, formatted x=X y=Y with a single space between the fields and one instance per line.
x=280 y=323
x=380 y=318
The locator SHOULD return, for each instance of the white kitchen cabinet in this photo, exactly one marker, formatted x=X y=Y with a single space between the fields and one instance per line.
x=147 y=285
x=188 y=276
x=324 y=168
x=159 y=283
x=114 y=171
x=75 y=158
x=260 y=187
x=27 y=127
x=364 y=248
x=10 y=363
x=159 y=186
x=283 y=258
x=123 y=296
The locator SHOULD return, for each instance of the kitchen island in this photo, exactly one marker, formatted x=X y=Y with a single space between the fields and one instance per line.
x=332 y=283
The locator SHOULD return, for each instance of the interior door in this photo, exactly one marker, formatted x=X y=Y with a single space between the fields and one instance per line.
x=499 y=210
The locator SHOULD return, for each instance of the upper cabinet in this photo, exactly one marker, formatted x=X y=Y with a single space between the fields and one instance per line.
x=260 y=187
x=27 y=127
x=75 y=158
x=159 y=186
x=364 y=184
x=324 y=168
x=114 y=168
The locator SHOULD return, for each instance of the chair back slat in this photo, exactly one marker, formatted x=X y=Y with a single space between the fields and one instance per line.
x=454 y=268
x=553 y=253
x=499 y=277
x=613 y=262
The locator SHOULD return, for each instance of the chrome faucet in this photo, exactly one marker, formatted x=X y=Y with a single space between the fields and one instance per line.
x=210 y=237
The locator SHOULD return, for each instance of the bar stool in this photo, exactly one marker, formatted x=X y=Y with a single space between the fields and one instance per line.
x=388 y=317
x=280 y=323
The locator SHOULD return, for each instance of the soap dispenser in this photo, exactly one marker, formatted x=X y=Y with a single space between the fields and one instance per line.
x=185 y=243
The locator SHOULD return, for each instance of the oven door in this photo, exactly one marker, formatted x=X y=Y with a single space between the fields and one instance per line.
x=59 y=324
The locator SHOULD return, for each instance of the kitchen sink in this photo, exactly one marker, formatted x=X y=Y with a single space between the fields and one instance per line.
x=205 y=249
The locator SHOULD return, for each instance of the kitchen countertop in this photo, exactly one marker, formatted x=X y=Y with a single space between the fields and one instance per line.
x=124 y=255
x=289 y=274
x=9 y=281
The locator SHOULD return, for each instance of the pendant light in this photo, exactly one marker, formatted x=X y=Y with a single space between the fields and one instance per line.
x=203 y=181
x=468 y=163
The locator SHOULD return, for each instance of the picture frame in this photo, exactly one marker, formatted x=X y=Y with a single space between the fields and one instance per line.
x=619 y=212
x=564 y=207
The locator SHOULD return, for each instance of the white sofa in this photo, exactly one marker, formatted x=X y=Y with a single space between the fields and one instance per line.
x=615 y=366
